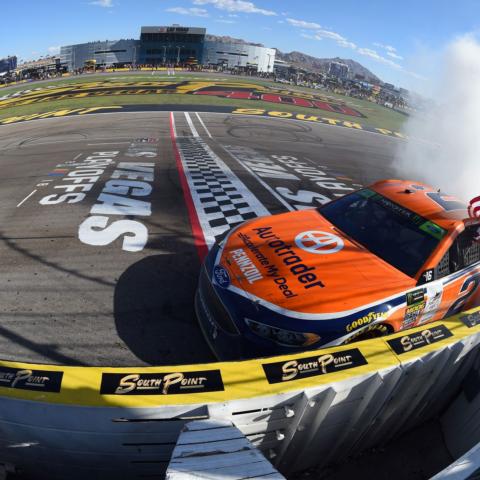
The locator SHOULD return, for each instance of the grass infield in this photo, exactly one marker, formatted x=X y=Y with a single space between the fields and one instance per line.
x=375 y=115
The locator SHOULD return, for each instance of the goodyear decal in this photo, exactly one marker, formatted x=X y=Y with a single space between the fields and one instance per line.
x=298 y=368
x=161 y=384
x=420 y=339
x=223 y=89
x=366 y=320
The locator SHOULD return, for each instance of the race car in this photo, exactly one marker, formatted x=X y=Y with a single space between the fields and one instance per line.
x=386 y=258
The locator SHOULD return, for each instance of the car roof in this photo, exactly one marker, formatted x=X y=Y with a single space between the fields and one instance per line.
x=413 y=196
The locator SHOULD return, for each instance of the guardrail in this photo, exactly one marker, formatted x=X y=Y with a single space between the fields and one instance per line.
x=299 y=410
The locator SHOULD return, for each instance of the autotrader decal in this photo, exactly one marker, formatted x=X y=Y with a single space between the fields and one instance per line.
x=417 y=340
x=279 y=372
x=303 y=273
x=26 y=379
x=173 y=383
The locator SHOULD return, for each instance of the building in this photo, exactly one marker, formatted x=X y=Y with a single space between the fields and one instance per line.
x=169 y=45
x=106 y=53
x=239 y=55
x=338 y=69
x=8 y=64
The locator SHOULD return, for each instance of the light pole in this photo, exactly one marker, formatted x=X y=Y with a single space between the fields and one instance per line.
x=269 y=57
x=178 y=54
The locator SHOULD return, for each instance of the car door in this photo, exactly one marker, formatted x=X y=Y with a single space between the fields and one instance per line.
x=455 y=279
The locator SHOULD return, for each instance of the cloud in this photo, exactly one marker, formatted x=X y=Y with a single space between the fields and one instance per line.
x=103 y=3
x=416 y=75
x=320 y=33
x=55 y=50
x=340 y=40
x=224 y=20
x=391 y=51
x=303 y=24
x=235 y=6
x=192 y=11
x=346 y=44
x=329 y=34
x=394 y=55
x=389 y=48
x=368 y=52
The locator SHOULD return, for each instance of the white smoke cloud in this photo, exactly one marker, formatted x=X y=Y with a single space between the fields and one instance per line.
x=448 y=154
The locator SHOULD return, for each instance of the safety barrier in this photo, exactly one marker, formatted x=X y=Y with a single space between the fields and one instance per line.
x=467 y=467
x=318 y=406
x=213 y=449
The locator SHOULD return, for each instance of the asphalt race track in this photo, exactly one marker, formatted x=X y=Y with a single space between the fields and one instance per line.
x=99 y=263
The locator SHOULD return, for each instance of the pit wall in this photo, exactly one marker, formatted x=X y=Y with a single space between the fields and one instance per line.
x=299 y=410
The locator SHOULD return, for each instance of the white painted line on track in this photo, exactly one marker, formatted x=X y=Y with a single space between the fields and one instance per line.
x=77 y=156
x=26 y=198
x=105 y=143
x=172 y=124
x=203 y=125
x=191 y=125
x=270 y=189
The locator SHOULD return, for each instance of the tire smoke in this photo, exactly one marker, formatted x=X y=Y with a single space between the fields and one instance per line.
x=444 y=145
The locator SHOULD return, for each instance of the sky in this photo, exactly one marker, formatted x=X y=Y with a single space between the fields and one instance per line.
x=399 y=42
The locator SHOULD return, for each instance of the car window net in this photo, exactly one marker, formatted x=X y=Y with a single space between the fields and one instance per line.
x=443 y=267
x=470 y=250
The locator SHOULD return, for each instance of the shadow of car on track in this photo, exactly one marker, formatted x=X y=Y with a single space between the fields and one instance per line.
x=154 y=310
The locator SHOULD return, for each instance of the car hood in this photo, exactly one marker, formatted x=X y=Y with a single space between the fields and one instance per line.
x=300 y=262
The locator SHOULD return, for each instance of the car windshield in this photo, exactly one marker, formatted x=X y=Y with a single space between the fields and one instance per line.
x=395 y=234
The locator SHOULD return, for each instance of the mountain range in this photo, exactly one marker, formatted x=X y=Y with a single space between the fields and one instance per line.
x=304 y=61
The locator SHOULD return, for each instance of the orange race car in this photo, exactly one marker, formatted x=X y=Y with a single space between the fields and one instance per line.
x=389 y=257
